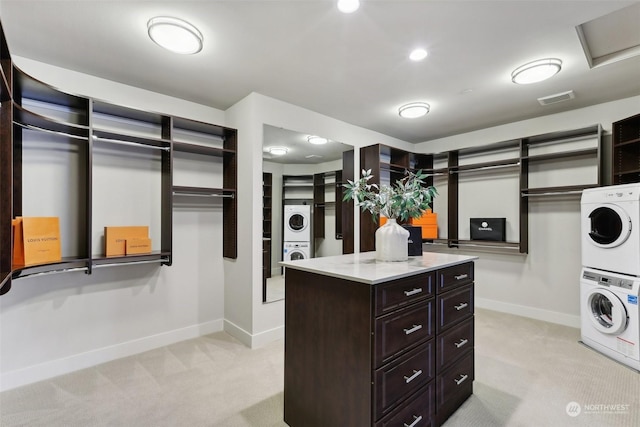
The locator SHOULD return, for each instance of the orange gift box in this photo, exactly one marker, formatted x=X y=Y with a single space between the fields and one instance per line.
x=138 y=246
x=36 y=240
x=429 y=224
x=115 y=238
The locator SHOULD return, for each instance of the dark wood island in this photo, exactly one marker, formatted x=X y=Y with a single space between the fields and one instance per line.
x=379 y=344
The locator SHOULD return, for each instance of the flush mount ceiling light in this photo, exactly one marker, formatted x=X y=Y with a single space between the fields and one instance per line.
x=316 y=140
x=536 y=71
x=348 y=6
x=418 y=54
x=414 y=110
x=278 y=151
x=175 y=35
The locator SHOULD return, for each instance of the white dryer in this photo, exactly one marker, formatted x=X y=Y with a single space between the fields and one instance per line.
x=610 y=228
x=297 y=223
x=296 y=250
x=609 y=315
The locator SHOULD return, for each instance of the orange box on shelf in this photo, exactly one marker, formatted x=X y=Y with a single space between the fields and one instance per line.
x=36 y=240
x=115 y=238
x=138 y=246
x=427 y=218
x=429 y=231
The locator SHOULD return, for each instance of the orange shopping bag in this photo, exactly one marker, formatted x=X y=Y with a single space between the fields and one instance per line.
x=36 y=240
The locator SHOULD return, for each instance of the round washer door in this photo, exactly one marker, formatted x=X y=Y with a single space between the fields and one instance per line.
x=610 y=226
x=295 y=255
x=297 y=222
x=607 y=313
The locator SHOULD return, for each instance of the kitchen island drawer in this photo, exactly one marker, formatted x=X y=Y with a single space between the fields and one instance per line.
x=454 y=276
x=453 y=307
x=417 y=411
x=399 y=293
x=402 y=330
x=454 y=343
x=400 y=378
x=454 y=386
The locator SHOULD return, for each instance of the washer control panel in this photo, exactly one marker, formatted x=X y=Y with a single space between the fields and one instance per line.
x=608 y=280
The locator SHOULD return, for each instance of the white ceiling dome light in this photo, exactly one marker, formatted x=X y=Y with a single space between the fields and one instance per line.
x=175 y=35
x=348 y=6
x=536 y=71
x=278 y=151
x=418 y=54
x=317 y=140
x=414 y=110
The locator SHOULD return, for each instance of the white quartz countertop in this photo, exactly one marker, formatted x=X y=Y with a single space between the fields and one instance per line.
x=363 y=267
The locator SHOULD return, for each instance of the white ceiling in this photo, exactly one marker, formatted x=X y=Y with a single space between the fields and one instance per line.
x=351 y=67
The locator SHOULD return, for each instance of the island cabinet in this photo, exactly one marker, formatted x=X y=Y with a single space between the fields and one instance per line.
x=377 y=344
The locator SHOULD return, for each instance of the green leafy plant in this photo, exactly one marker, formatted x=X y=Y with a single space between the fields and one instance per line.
x=408 y=198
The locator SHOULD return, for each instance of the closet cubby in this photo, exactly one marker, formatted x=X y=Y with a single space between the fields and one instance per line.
x=94 y=164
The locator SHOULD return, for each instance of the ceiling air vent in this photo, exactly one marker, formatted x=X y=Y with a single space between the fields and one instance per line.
x=558 y=97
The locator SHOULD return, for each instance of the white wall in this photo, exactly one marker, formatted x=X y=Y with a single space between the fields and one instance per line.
x=545 y=283
x=53 y=324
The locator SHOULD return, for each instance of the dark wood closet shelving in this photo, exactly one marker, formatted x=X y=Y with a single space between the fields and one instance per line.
x=626 y=150
x=31 y=107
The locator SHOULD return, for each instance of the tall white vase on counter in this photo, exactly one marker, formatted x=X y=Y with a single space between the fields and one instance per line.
x=392 y=242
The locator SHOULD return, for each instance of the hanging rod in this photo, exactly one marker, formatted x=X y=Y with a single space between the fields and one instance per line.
x=486 y=168
x=112 y=264
x=55 y=132
x=224 y=196
x=45 y=273
x=135 y=144
x=486 y=246
x=551 y=193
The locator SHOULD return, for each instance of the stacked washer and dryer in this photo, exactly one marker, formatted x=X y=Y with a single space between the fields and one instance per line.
x=297 y=232
x=610 y=277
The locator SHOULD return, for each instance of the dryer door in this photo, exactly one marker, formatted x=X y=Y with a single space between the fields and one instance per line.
x=295 y=255
x=297 y=222
x=610 y=226
x=607 y=313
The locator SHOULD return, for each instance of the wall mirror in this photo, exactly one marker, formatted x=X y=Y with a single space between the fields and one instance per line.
x=299 y=201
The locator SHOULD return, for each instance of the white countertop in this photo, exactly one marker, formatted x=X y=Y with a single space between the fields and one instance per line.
x=363 y=267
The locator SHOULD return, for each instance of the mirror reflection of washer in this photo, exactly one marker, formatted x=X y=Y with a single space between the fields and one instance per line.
x=610 y=322
x=610 y=228
x=295 y=250
x=297 y=223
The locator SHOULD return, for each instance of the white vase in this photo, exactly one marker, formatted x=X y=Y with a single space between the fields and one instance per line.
x=392 y=242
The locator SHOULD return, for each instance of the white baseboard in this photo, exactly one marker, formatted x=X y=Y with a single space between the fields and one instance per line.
x=253 y=340
x=43 y=371
x=531 y=312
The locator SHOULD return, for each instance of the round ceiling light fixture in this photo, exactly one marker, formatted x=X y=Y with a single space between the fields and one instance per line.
x=414 y=110
x=418 y=54
x=278 y=151
x=348 y=6
x=536 y=71
x=316 y=140
x=175 y=35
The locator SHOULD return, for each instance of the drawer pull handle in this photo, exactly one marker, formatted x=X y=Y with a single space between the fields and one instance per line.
x=412 y=329
x=462 y=379
x=461 y=306
x=462 y=342
x=461 y=276
x=416 y=420
x=413 y=292
x=415 y=375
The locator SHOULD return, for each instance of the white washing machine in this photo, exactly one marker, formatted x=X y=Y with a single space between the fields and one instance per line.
x=296 y=250
x=297 y=223
x=609 y=315
x=610 y=228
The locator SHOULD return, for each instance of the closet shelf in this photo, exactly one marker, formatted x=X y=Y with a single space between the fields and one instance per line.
x=203 y=191
x=155 y=256
x=205 y=150
x=477 y=167
x=562 y=155
x=34 y=121
x=66 y=265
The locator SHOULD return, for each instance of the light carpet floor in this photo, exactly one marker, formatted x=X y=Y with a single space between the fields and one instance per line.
x=527 y=373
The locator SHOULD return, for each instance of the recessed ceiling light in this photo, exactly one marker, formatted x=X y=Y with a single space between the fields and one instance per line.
x=317 y=140
x=175 y=35
x=418 y=54
x=536 y=71
x=414 y=110
x=278 y=151
x=348 y=6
